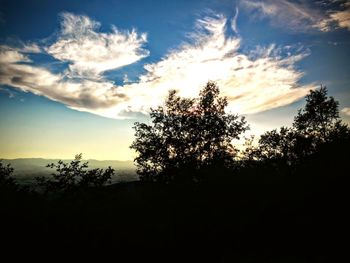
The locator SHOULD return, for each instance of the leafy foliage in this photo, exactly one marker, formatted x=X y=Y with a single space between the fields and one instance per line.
x=6 y=179
x=74 y=175
x=187 y=134
x=258 y=202
x=319 y=115
x=317 y=124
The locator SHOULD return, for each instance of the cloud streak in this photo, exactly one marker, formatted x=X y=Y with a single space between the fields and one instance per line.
x=16 y=71
x=252 y=83
x=302 y=16
x=342 y=18
x=257 y=81
x=346 y=111
x=89 y=52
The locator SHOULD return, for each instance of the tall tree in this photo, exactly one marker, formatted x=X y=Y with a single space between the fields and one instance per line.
x=319 y=114
x=316 y=124
x=186 y=134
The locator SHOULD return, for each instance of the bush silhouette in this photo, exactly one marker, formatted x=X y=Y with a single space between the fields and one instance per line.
x=187 y=135
x=7 y=182
x=73 y=176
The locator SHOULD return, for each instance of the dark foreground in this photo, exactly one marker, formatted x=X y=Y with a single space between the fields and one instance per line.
x=256 y=216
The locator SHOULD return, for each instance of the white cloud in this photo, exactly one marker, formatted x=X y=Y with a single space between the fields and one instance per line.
x=261 y=80
x=302 y=15
x=84 y=95
x=11 y=55
x=251 y=84
x=346 y=111
x=234 y=21
x=30 y=48
x=342 y=18
x=90 y=52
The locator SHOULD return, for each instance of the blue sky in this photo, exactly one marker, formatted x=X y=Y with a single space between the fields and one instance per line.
x=76 y=75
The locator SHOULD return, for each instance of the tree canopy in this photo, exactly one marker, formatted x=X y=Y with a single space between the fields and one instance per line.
x=7 y=182
x=74 y=175
x=319 y=114
x=316 y=125
x=188 y=134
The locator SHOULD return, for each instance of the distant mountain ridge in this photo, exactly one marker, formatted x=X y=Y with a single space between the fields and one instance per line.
x=28 y=168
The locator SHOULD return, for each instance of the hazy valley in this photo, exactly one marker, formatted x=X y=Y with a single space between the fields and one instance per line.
x=26 y=169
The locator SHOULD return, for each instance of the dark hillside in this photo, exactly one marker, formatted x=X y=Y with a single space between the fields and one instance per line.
x=256 y=216
x=285 y=199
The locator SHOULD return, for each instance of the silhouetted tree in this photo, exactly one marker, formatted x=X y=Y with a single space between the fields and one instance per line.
x=319 y=115
x=74 y=175
x=187 y=135
x=276 y=144
x=316 y=124
x=6 y=177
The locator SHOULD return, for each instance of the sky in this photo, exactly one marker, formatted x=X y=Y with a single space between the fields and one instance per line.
x=76 y=75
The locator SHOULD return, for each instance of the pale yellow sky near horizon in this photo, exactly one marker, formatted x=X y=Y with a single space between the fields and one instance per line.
x=106 y=144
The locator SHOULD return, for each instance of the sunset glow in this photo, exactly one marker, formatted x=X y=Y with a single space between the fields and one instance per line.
x=78 y=79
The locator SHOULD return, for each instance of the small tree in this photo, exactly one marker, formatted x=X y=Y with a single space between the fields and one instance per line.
x=74 y=175
x=276 y=144
x=6 y=177
x=186 y=134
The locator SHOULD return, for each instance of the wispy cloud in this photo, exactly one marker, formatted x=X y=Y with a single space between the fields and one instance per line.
x=234 y=21
x=17 y=71
x=342 y=18
x=260 y=80
x=90 y=52
x=10 y=93
x=303 y=15
x=346 y=111
x=254 y=82
x=30 y=48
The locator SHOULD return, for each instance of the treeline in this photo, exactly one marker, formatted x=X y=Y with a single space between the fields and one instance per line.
x=282 y=198
x=189 y=137
x=67 y=177
x=192 y=139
